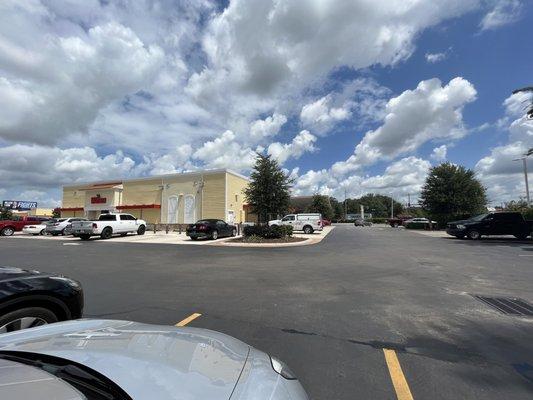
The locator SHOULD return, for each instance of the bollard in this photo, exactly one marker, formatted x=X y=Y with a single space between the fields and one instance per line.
x=166 y=229
x=155 y=228
x=179 y=229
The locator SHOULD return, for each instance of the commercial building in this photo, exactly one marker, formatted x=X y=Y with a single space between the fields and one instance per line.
x=167 y=199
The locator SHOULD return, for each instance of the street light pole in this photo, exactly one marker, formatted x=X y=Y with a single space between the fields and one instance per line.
x=524 y=163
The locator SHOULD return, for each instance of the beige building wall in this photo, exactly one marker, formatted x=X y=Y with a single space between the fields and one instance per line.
x=214 y=199
x=143 y=192
x=235 y=197
x=73 y=197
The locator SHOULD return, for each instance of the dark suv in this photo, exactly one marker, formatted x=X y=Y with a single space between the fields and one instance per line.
x=496 y=223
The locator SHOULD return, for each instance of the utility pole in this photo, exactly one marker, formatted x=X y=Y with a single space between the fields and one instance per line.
x=391 y=208
x=345 y=206
x=524 y=163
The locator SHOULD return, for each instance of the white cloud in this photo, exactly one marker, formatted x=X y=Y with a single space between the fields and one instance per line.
x=429 y=112
x=302 y=143
x=225 y=152
x=268 y=127
x=83 y=75
x=433 y=58
x=320 y=116
x=503 y=13
x=439 y=153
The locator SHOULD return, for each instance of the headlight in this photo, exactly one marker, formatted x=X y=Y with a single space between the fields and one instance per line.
x=461 y=227
x=68 y=281
x=281 y=368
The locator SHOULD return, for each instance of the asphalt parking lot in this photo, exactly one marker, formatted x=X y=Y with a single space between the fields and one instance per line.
x=368 y=313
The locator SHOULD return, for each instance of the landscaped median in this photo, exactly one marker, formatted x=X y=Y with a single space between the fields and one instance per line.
x=281 y=236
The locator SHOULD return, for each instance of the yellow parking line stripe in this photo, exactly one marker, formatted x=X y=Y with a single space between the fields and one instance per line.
x=398 y=379
x=190 y=318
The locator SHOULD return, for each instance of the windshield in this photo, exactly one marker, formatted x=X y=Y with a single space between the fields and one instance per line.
x=479 y=217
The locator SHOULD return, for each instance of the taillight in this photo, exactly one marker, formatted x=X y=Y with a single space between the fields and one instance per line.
x=201 y=227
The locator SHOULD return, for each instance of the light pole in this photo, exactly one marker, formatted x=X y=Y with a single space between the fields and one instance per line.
x=524 y=162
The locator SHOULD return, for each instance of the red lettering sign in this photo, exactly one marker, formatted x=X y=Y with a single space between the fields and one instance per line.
x=98 y=200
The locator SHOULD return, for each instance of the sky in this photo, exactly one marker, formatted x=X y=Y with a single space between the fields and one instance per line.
x=349 y=96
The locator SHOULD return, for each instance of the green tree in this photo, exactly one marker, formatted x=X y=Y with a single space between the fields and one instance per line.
x=56 y=212
x=321 y=204
x=452 y=192
x=338 y=209
x=268 y=192
x=5 y=214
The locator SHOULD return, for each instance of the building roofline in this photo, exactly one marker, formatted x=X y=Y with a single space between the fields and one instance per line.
x=147 y=178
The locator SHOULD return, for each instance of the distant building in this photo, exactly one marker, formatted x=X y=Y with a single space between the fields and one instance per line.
x=174 y=198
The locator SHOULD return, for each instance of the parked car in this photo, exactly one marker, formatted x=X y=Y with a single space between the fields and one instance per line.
x=494 y=223
x=362 y=222
x=33 y=298
x=106 y=359
x=210 y=229
x=58 y=227
x=37 y=229
x=419 y=223
x=399 y=220
x=326 y=222
x=300 y=222
x=107 y=225
x=9 y=227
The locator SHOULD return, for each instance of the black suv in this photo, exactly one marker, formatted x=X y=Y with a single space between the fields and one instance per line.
x=497 y=223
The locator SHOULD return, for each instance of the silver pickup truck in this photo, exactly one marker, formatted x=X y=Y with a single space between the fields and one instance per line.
x=107 y=225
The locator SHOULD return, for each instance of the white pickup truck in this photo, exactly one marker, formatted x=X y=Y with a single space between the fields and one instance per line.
x=107 y=225
x=301 y=222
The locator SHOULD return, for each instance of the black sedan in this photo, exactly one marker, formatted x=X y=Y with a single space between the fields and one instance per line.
x=33 y=298
x=210 y=229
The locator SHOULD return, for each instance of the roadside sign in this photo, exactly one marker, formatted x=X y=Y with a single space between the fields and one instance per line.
x=19 y=205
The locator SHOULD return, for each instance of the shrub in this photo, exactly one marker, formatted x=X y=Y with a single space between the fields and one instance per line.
x=268 y=232
x=379 y=220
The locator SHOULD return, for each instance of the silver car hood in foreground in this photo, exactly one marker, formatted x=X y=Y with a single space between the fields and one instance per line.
x=147 y=361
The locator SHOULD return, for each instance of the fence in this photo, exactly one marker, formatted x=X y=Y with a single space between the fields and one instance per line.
x=179 y=228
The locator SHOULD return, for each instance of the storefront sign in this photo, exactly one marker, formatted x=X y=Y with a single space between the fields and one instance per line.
x=98 y=200
x=19 y=205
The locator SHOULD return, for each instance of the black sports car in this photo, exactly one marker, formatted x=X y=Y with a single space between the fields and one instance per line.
x=210 y=229
x=33 y=298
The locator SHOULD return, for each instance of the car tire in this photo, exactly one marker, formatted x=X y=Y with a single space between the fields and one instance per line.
x=141 y=230
x=193 y=238
x=234 y=232
x=308 y=229
x=395 y=225
x=214 y=235
x=43 y=232
x=106 y=233
x=522 y=236
x=8 y=231
x=15 y=319
x=474 y=235
x=85 y=236
x=460 y=236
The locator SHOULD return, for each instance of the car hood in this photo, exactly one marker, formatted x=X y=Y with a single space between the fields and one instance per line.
x=8 y=273
x=461 y=222
x=147 y=361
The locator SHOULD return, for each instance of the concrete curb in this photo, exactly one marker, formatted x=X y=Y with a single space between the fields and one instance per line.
x=307 y=242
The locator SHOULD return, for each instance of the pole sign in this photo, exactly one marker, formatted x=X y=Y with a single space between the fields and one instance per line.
x=19 y=205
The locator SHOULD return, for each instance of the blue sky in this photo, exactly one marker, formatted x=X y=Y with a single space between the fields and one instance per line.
x=358 y=95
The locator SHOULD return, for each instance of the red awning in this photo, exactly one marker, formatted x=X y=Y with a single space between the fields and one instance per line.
x=138 y=206
x=71 y=209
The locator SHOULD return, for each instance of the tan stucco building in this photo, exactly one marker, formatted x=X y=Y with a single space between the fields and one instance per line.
x=167 y=199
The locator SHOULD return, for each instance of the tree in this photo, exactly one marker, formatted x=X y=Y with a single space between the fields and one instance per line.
x=321 y=204
x=338 y=209
x=268 y=192
x=451 y=192
x=56 y=212
x=5 y=213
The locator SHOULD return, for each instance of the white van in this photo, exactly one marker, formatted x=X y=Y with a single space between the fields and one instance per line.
x=300 y=222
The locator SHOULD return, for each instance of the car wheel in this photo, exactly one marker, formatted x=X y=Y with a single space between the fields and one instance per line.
x=460 y=236
x=8 y=231
x=42 y=233
x=308 y=230
x=62 y=233
x=106 y=233
x=141 y=230
x=474 y=235
x=214 y=235
x=395 y=225
x=522 y=236
x=26 y=318
x=85 y=236
x=234 y=232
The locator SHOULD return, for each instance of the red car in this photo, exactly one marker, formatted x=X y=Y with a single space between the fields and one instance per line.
x=9 y=227
x=326 y=222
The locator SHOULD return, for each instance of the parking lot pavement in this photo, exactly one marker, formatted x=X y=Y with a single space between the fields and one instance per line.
x=331 y=309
